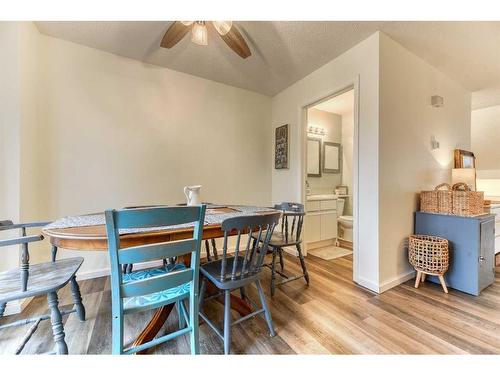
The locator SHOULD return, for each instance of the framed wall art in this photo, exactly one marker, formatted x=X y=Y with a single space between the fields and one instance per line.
x=281 y=147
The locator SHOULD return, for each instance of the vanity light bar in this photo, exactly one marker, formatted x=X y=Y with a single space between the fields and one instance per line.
x=318 y=130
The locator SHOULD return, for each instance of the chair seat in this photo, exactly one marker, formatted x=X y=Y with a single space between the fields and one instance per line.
x=43 y=278
x=211 y=271
x=279 y=239
x=158 y=299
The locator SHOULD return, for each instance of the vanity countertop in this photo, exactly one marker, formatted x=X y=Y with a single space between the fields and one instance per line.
x=324 y=197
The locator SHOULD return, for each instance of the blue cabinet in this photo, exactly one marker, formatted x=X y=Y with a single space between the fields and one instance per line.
x=472 y=248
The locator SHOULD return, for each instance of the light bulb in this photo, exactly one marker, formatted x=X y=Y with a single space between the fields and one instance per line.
x=199 y=34
x=222 y=27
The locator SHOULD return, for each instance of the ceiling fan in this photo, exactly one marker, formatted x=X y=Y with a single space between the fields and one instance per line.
x=227 y=31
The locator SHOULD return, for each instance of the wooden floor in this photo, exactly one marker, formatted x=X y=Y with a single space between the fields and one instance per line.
x=332 y=315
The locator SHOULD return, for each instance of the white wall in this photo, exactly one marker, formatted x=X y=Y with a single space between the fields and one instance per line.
x=332 y=123
x=115 y=132
x=360 y=62
x=406 y=162
x=485 y=138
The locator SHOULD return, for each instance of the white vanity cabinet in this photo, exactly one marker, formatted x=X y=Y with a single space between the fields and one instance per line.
x=321 y=220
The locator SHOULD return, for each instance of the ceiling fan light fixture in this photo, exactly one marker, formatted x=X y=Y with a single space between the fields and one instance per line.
x=199 y=33
x=222 y=27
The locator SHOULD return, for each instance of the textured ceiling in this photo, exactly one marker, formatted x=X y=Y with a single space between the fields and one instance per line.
x=285 y=51
x=341 y=104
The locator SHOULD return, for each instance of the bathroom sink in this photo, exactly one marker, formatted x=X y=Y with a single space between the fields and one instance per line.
x=321 y=197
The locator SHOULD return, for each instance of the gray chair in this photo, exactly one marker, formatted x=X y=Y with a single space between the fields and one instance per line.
x=239 y=270
x=289 y=235
x=36 y=280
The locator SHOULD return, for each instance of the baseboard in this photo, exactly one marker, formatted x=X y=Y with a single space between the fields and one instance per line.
x=16 y=307
x=345 y=244
x=317 y=244
x=368 y=284
x=396 y=281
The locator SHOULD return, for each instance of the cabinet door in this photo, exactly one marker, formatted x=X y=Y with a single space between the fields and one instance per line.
x=312 y=228
x=487 y=254
x=328 y=225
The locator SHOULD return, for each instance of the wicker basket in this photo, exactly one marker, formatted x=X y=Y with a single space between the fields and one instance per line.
x=437 y=201
x=466 y=202
x=428 y=254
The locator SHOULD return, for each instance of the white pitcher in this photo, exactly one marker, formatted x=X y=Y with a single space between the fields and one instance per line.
x=192 y=194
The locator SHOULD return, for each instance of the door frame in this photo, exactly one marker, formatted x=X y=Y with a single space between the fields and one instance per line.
x=352 y=84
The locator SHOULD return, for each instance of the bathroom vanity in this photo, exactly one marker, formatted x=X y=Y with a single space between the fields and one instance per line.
x=320 y=223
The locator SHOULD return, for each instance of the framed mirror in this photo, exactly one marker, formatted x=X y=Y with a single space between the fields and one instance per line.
x=331 y=157
x=313 y=157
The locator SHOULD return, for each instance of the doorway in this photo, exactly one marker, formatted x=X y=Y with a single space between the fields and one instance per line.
x=330 y=177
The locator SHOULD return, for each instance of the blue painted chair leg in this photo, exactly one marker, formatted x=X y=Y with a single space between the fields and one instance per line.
x=267 y=313
x=227 y=321
x=57 y=326
x=54 y=253
x=194 y=323
x=77 y=299
x=2 y=309
x=117 y=334
x=178 y=306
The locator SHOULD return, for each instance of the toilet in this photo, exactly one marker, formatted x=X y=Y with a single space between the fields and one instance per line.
x=345 y=221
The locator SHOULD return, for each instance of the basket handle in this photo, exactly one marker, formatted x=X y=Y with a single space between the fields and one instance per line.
x=448 y=187
x=460 y=186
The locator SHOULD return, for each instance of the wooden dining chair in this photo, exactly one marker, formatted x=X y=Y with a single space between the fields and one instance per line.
x=32 y=280
x=153 y=288
x=239 y=270
x=289 y=234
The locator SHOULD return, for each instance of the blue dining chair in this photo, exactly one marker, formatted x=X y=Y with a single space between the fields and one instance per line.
x=155 y=287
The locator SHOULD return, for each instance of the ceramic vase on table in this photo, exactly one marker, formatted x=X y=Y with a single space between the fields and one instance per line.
x=192 y=195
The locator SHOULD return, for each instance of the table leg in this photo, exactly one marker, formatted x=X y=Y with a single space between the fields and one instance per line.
x=154 y=326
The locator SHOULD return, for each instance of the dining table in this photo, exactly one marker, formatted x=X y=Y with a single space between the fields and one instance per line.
x=88 y=233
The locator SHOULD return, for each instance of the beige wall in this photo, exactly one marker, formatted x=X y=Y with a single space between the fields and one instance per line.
x=360 y=62
x=116 y=132
x=406 y=162
x=332 y=123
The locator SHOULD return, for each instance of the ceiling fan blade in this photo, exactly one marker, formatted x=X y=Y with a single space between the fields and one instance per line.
x=236 y=42
x=174 y=34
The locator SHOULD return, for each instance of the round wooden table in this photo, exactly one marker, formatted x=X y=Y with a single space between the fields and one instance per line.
x=93 y=238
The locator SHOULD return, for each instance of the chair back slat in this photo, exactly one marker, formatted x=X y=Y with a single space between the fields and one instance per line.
x=157 y=251
x=236 y=253
x=155 y=217
x=156 y=283
x=295 y=213
x=252 y=257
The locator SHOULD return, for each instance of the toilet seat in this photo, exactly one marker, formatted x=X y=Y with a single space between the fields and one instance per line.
x=346 y=218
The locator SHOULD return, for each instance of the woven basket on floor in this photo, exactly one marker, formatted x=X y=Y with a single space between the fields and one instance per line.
x=428 y=254
x=437 y=200
x=466 y=202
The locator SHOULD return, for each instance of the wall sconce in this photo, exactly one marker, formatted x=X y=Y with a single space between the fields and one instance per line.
x=316 y=130
x=434 y=143
x=437 y=101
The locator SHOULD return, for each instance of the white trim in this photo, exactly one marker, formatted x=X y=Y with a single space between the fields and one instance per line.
x=16 y=307
x=351 y=84
x=395 y=281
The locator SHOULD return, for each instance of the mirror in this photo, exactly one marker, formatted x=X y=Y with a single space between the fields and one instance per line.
x=331 y=157
x=313 y=157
